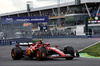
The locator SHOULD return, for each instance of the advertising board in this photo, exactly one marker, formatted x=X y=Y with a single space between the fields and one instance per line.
x=33 y=19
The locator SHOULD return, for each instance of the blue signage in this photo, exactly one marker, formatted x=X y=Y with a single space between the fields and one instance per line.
x=33 y=19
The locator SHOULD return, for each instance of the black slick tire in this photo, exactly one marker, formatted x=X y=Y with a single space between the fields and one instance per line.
x=16 y=53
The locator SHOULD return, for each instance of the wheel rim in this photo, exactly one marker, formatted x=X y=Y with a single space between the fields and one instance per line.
x=43 y=54
x=38 y=54
x=13 y=53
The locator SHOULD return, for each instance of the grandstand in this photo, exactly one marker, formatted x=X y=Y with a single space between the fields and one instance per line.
x=72 y=19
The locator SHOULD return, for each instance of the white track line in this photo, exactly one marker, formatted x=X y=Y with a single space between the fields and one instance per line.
x=89 y=46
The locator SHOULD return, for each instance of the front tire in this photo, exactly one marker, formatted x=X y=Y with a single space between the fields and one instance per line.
x=69 y=50
x=16 y=53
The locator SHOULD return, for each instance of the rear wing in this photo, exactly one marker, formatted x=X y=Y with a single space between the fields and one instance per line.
x=25 y=44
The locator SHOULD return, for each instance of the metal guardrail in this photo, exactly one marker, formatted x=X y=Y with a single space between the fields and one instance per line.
x=60 y=36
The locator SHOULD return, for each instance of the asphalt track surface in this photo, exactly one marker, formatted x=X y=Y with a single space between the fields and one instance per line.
x=6 y=60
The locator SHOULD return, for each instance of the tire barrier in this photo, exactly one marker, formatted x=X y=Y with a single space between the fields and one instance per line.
x=14 y=41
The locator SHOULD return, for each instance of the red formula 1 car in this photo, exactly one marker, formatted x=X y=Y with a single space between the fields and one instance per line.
x=43 y=51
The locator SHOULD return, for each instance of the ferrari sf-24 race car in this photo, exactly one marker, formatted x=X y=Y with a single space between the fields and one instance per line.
x=42 y=51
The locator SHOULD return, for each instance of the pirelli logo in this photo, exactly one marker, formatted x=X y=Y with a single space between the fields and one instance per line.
x=90 y=18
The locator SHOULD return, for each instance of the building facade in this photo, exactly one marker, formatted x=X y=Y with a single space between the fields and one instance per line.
x=70 y=20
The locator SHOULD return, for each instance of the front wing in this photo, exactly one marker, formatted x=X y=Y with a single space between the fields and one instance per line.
x=58 y=56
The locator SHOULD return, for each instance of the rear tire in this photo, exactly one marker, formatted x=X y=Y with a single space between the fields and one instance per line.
x=41 y=54
x=16 y=53
x=69 y=50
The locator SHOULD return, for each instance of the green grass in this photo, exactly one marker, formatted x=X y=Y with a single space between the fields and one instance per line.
x=93 y=50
